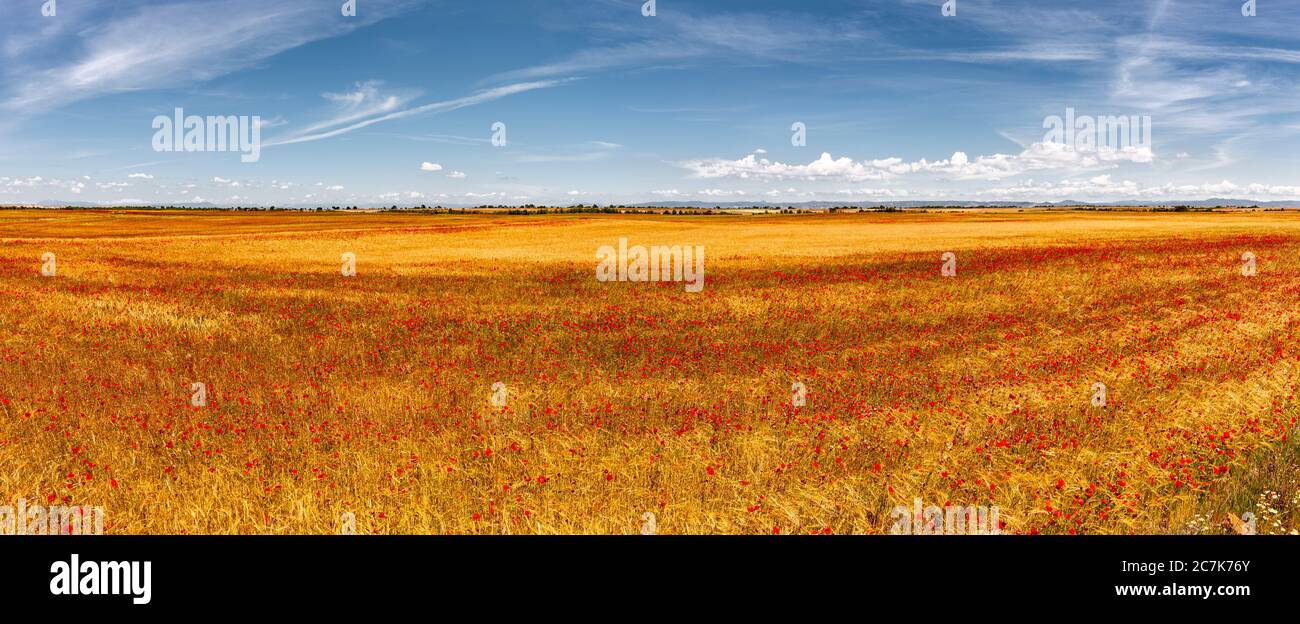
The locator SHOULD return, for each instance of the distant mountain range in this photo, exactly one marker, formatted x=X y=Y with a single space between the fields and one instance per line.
x=808 y=205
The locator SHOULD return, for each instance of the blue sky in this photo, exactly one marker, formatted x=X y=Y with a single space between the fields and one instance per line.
x=605 y=105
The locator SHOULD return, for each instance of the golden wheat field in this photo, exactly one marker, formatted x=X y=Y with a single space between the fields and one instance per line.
x=371 y=397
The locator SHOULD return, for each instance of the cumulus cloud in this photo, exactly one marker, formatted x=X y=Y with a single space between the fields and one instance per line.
x=434 y=167
x=1104 y=187
x=392 y=195
x=1037 y=157
x=752 y=166
x=20 y=185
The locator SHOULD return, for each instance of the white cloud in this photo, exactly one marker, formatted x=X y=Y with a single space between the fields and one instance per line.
x=682 y=35
x=141 y=176
x=1037 y=157
x=395 y=195
x=364 y=101
x=752 y=166
x=428 y=166
x=562 y=158
x=20 y=185
x=1104 y=187
x=121 y=49
x=271 y=123
x=434 y=107
x=456 y=175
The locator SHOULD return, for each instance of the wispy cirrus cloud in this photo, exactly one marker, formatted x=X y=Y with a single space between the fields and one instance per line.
x=104 y=48
x=442 y=106
x=595 y=150
x=363 y=102
x=681 y=35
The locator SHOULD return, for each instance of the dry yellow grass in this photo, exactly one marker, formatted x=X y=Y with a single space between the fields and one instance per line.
x=371 y=394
